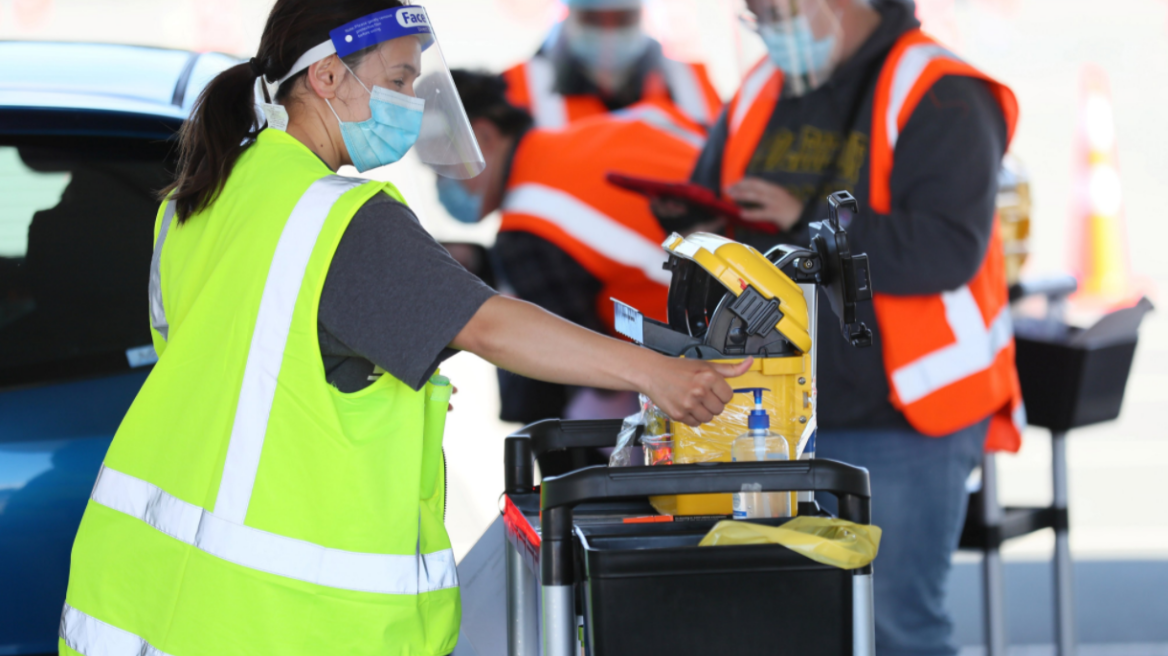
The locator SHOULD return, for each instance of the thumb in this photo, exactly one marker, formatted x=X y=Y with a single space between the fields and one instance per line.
x=727 y=370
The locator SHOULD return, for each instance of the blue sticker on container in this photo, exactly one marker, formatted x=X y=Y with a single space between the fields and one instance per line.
x=373 y=29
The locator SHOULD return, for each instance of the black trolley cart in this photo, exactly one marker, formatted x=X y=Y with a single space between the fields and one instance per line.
x=1065 y=386
x=580 y=577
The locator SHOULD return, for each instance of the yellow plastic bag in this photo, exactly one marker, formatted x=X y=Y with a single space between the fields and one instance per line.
x=825 y=540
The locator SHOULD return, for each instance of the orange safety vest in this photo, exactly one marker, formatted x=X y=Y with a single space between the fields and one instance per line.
x=950 y=356
x=531 y=86
x=557 y=190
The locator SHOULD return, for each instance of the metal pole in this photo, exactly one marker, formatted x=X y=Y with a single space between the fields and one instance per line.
x=811 y=296
x=993 y=603
x=863 y=616
x=559 y=621
x=522 y=606
x=1064 y=616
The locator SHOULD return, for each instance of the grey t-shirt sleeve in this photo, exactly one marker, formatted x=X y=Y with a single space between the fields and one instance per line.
x=394 y=296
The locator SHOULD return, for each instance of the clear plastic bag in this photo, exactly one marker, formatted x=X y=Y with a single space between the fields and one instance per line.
x=656 y=425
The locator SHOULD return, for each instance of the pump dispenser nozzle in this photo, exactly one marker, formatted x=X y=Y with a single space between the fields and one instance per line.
x=758 y=417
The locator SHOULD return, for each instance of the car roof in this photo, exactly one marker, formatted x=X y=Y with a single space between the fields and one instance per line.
x=57 y=87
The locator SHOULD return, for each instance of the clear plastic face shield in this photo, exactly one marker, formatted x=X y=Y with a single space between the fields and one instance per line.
x=412 y=100
x=802 y=38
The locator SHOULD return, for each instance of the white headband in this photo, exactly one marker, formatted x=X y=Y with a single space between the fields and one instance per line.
x=314 y=54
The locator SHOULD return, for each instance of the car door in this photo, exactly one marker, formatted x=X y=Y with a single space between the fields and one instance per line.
x=76 y=231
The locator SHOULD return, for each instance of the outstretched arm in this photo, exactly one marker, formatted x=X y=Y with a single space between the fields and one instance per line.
x=532 y=342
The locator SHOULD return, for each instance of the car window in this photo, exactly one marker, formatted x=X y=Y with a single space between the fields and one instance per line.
x=24 y=192
x=76 y=231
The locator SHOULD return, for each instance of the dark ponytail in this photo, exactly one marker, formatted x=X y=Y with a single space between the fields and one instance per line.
x=223 y=122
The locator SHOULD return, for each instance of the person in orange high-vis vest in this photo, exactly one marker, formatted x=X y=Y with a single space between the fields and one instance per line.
x=598 y=60
x=854 y=96
x=569 y=241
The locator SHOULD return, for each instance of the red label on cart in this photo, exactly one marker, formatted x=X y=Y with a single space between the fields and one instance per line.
x=517 y=523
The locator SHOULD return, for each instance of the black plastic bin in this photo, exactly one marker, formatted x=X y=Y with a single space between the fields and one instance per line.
x=1069 y=386
x=649 y=589
x=652 y=590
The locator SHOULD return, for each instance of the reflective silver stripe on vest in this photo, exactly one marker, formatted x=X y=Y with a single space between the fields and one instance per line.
x=686 y=90
x=751 y=87
x=157 y=311
x=269 y=552
x=908 y=69
x=547 y=106
x=91 y=637
x=660 y=119
x=591 y=227
x=973 y=350
x=266 y=354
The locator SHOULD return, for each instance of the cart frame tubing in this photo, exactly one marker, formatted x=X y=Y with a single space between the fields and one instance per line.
x=560 y=494
x=1064 y=598
x=992 y=576
x=1056 y=290
x=522 y=605
x=993 y=597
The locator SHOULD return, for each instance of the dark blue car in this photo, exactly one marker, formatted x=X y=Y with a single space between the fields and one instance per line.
x=87 y=139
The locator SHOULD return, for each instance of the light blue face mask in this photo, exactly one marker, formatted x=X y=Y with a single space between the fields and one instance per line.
x=464 y=206
x=390 y=131
x=608 y=54
x=794 y=49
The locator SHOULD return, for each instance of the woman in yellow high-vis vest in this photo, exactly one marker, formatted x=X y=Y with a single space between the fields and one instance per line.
x=276 y=487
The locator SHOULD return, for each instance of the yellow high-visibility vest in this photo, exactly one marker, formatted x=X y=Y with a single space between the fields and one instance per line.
x=247 y=506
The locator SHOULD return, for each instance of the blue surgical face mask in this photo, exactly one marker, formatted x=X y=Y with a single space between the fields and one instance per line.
x=607 y=53
x=793 y=48
x=390 y=131
x=464 y=206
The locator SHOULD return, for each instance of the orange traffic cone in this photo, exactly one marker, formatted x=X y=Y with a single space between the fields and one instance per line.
x=1099 y=248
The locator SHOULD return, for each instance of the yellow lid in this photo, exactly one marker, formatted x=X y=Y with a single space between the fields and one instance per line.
x=736 y=266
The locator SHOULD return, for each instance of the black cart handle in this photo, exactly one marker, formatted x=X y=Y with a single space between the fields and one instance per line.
x=1052 y=286
x=522 y=447
x=602 y=483
x=560 y=494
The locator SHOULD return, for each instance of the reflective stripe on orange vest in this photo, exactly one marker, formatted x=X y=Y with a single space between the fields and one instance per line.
x=557 y=191
x=949 y=357
x=531 y=86
x=914 y=64
x=601 y=233
x=664 y=121
x=691 y=90
x=749 y=112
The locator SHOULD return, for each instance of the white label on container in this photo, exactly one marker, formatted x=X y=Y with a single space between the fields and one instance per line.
x=628 y=322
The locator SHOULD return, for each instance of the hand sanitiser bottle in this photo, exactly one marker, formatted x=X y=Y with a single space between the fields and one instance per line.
x=759 y=443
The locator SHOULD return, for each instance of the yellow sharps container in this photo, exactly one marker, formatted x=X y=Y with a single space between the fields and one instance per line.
x=727 y=302
x=765 y=314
